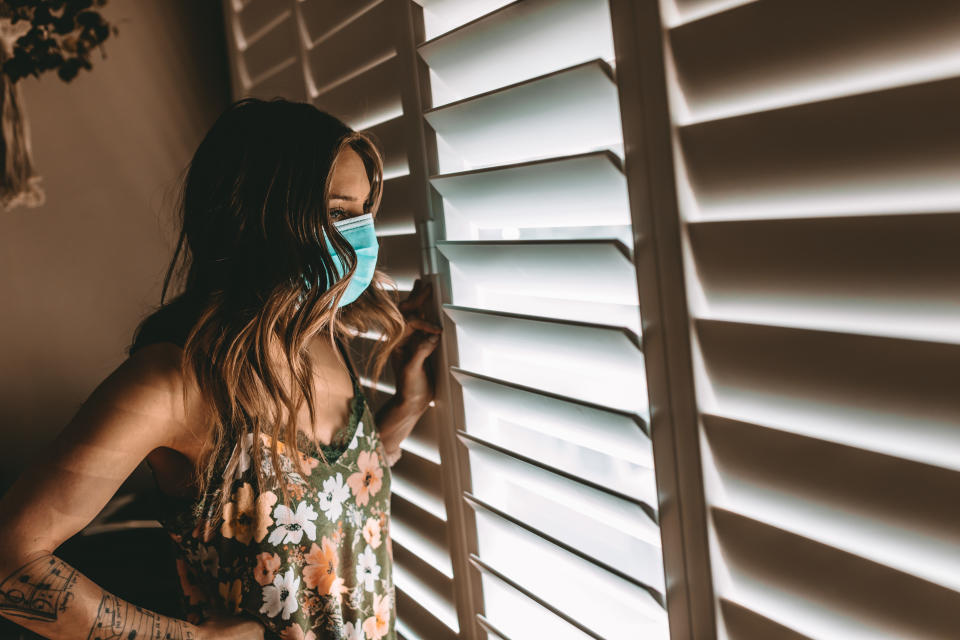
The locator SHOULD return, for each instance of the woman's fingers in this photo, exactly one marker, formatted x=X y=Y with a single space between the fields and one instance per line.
x=424 y=348
x=422 y=296
x=424 y=325
x=419 y=297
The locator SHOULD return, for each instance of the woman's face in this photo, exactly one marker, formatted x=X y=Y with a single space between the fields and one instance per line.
x=349 y=187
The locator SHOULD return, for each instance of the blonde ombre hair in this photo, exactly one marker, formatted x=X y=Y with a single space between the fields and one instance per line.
x=253 y=215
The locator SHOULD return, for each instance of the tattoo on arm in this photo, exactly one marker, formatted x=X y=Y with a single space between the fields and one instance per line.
x=120 y=620
x=39 y=589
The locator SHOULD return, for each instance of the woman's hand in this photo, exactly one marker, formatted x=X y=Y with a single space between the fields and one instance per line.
x=414 y=379
x=223 y=627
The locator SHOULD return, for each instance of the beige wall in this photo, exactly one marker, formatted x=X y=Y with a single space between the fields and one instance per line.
x=78 y=273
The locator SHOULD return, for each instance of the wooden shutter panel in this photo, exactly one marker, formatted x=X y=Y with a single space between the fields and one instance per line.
x=535 y=244
x=816 y=162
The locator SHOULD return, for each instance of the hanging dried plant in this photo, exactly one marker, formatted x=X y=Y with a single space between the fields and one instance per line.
x=37 y=36
x=62 y=34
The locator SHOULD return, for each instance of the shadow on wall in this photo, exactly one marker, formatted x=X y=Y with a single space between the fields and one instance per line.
x=80 y=271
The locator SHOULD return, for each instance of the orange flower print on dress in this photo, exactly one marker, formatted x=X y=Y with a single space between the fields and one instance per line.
x=296 y=490
x=266 y=569
x=377 y=625
x=371 y=532
x=367 y=481
x=265 y=502
x=245 y=519
x=321 y=566
x=309 y=464
x=230 y=593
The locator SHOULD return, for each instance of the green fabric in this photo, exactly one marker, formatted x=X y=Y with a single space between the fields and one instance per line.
x=320 y=567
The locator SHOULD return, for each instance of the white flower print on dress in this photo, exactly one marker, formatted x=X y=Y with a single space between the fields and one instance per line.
x=291 y=525
x=239 y=460
x=331 y=499
x=356 y=596
x=281 y=596
x=354 y=516
x=368 y=570
x=353 y=631
x=356 y=437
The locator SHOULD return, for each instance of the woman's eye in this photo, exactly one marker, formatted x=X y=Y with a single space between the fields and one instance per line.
x=336 y=214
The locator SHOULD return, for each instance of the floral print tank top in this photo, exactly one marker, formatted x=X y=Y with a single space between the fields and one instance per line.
x=319 y=568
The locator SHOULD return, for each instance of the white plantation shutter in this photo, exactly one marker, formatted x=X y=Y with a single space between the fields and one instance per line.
x=356 y=60
x=817 y=182
x=535 y=246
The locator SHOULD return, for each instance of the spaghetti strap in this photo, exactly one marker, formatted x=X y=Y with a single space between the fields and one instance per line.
x=350 y=369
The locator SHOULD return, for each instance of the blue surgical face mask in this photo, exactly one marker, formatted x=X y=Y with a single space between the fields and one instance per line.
x=359 y=232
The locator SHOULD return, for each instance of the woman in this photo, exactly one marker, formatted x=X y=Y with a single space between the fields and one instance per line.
x=241 y=396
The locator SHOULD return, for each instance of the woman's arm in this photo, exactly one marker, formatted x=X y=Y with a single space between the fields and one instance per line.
x=395 y=420
x=136 y=409
x=415 y=385
x=49 y=597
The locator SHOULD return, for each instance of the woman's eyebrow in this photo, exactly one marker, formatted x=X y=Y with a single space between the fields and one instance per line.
x=337 y=196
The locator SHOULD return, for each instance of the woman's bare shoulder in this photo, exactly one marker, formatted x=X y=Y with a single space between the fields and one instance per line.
x=152 y=376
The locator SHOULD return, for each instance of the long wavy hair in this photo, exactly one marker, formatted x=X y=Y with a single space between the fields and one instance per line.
x=252 y=209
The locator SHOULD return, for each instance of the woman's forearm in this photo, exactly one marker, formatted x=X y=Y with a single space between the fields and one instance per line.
x=49 y=597
x=395 y=420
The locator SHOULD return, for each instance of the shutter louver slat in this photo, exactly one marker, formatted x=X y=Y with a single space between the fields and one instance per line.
x=421 y=448
x=271 y=50
x=630 y=512
x=782 y=576
x=534 y=497
x=423 y=583
x=325 y=17
x=554 y=279
x=503 y=47
x=577 y=424
x=392 y=137
x=780 y=153
x=902 y=283
x=595 y=363
x=396 y=207
x=258 y=18
x=433 y=552
x=531 y=115
x=419 y=621
x=441 y=16
x=842 y=388
x=766 y=477
x=520 y=616
x=744 y=623
x=336 y=55
x=632 y=481
x=366 y=99
x=539 y=198
x=285 y=80
x=873 y=46
x=418 y=496
x=549 y=571
x=400 y=256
